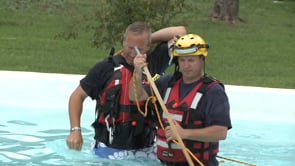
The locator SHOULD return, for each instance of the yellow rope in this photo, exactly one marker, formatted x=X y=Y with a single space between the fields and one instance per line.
x=118 y=52
x=162 y=126
x=153 y=99
x=144 y=113
x=237 y=161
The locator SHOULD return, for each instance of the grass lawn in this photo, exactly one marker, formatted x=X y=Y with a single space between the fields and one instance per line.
x=258 y=52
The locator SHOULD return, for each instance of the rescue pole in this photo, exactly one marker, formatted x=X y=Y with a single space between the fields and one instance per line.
x=163 y=106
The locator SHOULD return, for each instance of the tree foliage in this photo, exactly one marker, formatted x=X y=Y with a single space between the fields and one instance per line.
x=113 y=16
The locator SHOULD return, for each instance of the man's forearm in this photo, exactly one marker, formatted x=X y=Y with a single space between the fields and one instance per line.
x=76 y=105
x=168 y=33
x=75 y=111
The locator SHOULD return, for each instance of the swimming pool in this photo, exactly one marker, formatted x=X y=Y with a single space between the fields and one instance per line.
x=34 y=124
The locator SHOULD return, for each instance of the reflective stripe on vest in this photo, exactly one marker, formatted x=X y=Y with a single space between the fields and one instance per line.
x=117 y=81
x=181 y=110
x=165 y=145
x=167 y=95
x=174 y=116
x=196 y=100
x=194 y=103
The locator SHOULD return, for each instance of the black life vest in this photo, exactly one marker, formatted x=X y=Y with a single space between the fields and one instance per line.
x=186 y=113
x=119 y=124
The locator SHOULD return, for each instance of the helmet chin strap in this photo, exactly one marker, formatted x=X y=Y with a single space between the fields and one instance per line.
x=204 y=66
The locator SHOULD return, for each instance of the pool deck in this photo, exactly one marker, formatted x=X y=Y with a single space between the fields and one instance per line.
x=27 y=88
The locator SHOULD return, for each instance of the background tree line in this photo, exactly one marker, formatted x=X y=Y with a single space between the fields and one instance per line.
x=112 y=17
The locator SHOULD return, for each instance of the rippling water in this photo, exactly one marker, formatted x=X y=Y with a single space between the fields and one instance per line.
x=37 y=137
x=34 y=125
x=260 y=142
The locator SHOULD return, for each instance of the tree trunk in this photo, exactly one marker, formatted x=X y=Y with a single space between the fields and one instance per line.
x=226 y=10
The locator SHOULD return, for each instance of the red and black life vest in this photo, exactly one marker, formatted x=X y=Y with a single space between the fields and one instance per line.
x=185 y=112
x=114 y=101
x=119 y=124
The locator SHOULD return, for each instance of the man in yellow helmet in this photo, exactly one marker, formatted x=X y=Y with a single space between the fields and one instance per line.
x=196 y=102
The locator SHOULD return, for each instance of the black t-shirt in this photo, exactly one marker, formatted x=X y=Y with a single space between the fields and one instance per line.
x=95 y=81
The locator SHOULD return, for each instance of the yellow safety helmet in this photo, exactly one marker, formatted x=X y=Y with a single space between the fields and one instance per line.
x=190 y=45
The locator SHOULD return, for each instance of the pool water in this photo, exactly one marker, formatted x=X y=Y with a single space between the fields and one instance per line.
x=37 y=137
x=260 y=143
x=34 y=124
